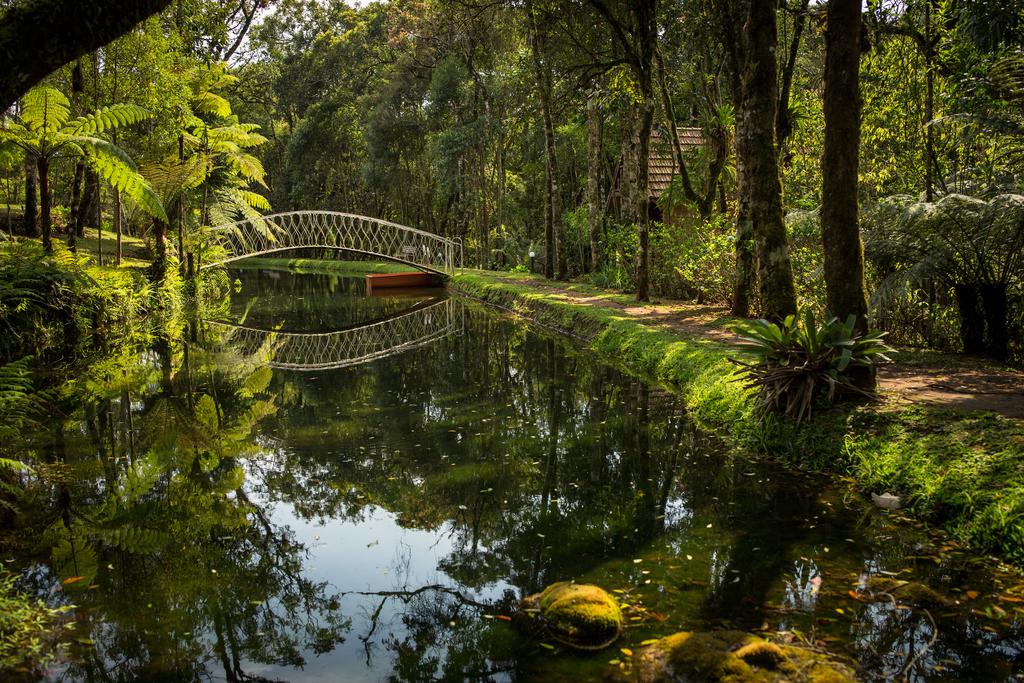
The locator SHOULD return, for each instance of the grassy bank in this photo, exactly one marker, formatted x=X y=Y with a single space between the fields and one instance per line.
x=309 y=265
x=961 y=470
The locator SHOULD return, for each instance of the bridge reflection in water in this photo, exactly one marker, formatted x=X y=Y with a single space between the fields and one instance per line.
x=416 y=327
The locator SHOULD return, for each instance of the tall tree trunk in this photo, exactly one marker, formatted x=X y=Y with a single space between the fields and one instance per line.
x=645 y=13
x=31 y=196
x=43 y=164
x=929 y=104
x=118 y=225
x=760 y=94
x=594 y=212
x=76 y=202
x=645 y=119
x=784 y=115
x=843 y=250
x=668 y=111
x=730 y=26
x=554 y=234
x=179 y=212
x=746 y=260
x=159 y=267
x=840 y=232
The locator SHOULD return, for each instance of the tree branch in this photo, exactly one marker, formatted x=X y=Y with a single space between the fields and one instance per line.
x=39 y=36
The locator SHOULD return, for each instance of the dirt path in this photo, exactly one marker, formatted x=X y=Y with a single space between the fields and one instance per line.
x=969 y=385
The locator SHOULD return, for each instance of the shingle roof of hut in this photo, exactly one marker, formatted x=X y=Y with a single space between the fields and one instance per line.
x=661 y=162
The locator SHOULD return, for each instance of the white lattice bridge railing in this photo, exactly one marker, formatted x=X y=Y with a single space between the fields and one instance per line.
x=334 y=230
x=418 y=327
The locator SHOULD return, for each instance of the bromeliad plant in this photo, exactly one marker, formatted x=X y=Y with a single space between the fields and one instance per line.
x=794 y=364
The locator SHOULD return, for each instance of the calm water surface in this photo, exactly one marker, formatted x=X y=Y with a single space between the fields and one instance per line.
x=258 y=501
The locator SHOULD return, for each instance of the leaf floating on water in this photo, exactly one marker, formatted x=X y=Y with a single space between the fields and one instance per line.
x=547 y=646
x=626 y=651
x=971 y=595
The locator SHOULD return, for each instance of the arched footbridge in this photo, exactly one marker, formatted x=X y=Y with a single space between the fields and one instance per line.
x=333 y=230
x=413 y=328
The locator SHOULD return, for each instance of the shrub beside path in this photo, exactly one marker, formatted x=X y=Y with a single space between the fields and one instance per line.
x=923 y=377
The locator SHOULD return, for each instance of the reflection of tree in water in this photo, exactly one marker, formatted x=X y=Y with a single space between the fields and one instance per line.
x=151 y=529
x=502 y=446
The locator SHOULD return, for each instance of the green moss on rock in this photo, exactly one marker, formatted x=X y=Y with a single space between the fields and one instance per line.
x=732 y=657
x=581 y=616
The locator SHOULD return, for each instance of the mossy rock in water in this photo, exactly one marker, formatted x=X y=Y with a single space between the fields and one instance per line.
x=732 y=657
x=581 y=616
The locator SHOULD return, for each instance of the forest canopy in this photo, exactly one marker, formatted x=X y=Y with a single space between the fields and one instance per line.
x=683 y=148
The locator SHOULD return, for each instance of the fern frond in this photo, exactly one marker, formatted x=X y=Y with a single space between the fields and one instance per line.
x=171 y=177
x=45 y=108
x=212 y=104
x=255 y=200
x=247 y=166
x=107 y=118
x=243 y=135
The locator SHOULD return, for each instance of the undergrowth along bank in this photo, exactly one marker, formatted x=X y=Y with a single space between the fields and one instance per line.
x=961 y=470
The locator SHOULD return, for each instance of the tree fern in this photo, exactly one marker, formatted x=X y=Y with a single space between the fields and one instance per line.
x=44 y=131
x=115 y=166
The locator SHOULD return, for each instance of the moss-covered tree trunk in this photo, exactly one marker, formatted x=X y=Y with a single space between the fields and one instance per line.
x=843 y=250
x=845 y=290
x=746 y=261
x=760 y=92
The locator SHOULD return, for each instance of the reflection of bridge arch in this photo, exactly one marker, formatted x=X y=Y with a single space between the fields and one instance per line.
x=417 y=327
x=334 y=230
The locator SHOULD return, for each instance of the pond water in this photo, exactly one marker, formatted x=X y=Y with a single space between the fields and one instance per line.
x=337 y=487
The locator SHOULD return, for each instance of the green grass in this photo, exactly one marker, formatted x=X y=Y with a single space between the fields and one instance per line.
x=307 y=265
x=961 y=470
x=134 y=251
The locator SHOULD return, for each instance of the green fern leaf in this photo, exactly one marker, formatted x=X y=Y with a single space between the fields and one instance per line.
x=256 y=200
x=45 y=108
x=107 y=118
